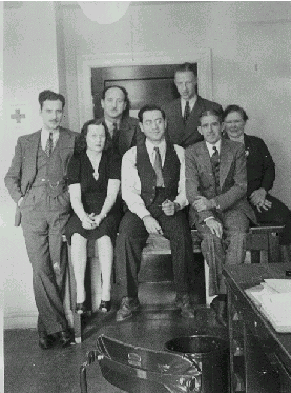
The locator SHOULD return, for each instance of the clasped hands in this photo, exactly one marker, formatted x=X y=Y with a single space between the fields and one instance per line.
x=258 y=199
x=152 y=225
x=91 y=221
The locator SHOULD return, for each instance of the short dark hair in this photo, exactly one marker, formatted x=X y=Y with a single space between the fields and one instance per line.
x=211 y=112
x=50 y=96
x=150 y=108
x=235 y=108
x=81 y=144
x=187 y=67
x=125 y=93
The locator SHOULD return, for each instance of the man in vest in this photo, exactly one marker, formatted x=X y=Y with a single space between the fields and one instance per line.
x=216 y=186
x=36 y=182
x=153 y=187
x=123 y=129
x=183 y=114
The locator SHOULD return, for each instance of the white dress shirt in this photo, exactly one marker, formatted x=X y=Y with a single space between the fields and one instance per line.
x=45 y=135
x=110 y=125
x=191 y=104
x=210 y=147
x=130 y=181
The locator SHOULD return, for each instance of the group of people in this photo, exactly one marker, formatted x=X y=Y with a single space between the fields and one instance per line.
x=122 y=179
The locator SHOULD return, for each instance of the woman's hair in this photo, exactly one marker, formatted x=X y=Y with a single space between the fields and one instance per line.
x=81 y=144
x=235 y=108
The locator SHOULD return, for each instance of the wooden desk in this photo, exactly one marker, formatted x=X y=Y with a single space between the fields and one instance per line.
x=260 y=358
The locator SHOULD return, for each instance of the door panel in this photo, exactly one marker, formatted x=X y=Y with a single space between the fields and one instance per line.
x=144 y=83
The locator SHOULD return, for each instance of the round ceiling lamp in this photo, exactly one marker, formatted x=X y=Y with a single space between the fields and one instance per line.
x=104 y=12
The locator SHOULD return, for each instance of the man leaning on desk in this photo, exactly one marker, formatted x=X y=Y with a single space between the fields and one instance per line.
x=216 y=186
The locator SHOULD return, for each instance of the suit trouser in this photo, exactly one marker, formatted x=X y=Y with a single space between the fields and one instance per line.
x=131 y=241
x=277 y=214
x=231 y=249
x=42 y=231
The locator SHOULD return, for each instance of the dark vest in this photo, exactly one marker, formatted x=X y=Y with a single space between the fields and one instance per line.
x=171 y=173
x=50 y=171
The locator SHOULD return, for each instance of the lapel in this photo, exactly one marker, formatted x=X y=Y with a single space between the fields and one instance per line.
x=226 y=158
x=177 y=111
x=196 y=112
x=126 y=134
x=31 y=149
x=204 y=160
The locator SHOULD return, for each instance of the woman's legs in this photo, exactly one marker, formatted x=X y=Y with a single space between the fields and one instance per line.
x=79 y=260
x=105 y=253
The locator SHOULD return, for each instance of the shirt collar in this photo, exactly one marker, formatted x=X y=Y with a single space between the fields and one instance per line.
x=210 y=147
x=162 y=148
x=109 y=123
x=191 y=102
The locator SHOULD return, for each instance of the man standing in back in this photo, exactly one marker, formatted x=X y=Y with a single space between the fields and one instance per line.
x=36 y=180
x=123 y=129
x=183 y=114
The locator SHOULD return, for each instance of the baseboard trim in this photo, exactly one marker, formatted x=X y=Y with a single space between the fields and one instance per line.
x=27 y=321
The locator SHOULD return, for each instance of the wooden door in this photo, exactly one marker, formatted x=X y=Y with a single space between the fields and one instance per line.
x=145 y=84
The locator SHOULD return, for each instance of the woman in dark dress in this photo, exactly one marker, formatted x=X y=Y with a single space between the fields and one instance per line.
x=94 y=183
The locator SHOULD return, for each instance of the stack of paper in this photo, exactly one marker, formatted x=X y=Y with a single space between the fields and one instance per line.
x=274 y=297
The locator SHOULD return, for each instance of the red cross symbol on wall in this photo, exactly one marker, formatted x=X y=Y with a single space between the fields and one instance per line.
x=17 y=116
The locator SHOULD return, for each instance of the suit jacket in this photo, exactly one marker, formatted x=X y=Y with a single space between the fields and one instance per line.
x=22 y=172
x=260 y=165
x=177 y=131
x=233 y=178
x=129 y=132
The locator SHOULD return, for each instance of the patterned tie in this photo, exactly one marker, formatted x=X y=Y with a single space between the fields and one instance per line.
x=49 y=147
x=114 y=131
x=158 y=167
x=187 y=111
x=215 y=163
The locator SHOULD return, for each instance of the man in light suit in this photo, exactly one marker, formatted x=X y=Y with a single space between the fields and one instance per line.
x=216 y=186
x=36 y=182
x=184 y=113
x=123 y=129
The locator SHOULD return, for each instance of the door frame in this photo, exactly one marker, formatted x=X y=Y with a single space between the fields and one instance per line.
x=201 y=56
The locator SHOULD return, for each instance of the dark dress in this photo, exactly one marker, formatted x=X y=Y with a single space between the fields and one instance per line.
x=93 y=194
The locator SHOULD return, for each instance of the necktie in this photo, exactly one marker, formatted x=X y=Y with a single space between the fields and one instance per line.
x=49 y=147
x=114 y=131
x=187 y=111
x=158 y=167
x=215 y=163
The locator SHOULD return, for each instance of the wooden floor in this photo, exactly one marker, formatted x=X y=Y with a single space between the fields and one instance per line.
x=28 y=369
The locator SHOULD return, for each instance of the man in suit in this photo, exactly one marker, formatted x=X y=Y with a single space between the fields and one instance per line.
x=183 y=114
x=216 y=185
x=124 y=130
x=261 y=176
x=153 y=187
x=36 y=182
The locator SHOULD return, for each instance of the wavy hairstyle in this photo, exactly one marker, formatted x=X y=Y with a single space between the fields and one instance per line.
x=81 y=144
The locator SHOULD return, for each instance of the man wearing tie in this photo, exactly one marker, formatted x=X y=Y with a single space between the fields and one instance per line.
x=183 y=114
x=124 y=130
x=216 y=186
x=36 y=182
x=153 y=187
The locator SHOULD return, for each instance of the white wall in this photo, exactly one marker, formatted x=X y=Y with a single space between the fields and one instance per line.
x=30 y=66
x=250 y=43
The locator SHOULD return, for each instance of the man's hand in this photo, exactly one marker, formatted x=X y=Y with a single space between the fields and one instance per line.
x=258 y=198
x=152 y=225
x=88 y=222
x=170 y=208
x=201 y=203
x=215 y=227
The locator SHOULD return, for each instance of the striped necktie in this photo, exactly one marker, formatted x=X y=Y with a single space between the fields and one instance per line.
x=158 y=167
x=186 y=111
x=49 y=147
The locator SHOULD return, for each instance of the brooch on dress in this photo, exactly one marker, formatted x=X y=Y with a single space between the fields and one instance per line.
x=95 y=174
x=247 y=152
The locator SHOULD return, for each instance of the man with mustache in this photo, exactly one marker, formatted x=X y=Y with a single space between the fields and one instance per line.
x=36 y=180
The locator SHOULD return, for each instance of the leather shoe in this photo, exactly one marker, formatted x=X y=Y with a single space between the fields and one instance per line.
x=64 y=339
x=105 y=306
x=128 y=305
x=80 y=308
x=219 y=307
x=45 y=341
